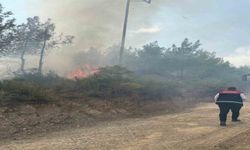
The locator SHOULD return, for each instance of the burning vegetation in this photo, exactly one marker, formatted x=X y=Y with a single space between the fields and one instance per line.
x=83 y=72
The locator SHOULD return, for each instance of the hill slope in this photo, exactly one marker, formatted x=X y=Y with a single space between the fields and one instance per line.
x=196 y=128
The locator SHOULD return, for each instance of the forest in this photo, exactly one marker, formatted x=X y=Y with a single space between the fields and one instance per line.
x=151 y=72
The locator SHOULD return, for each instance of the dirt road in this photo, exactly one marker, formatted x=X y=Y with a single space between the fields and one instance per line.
x=194 y=129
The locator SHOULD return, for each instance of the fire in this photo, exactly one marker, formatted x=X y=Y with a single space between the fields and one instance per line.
x=83 y=72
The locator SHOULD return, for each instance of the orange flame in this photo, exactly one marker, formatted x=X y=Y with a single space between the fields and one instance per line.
x=83 y=72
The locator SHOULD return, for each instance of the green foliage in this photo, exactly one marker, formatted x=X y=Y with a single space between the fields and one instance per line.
x=49 y=81
x=190 y=67
x=108 y=82
x=45 y=80
x=17 y=91
x=154 y=90
x=149 y=57
x=117 y=81
x=7 y=24
x=34 y=88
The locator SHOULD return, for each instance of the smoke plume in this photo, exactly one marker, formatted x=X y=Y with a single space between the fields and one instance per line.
x=95 y=23
x=98 y=23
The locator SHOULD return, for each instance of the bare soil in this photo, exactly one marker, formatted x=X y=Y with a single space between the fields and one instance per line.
x=22 y=121
x=194 y=129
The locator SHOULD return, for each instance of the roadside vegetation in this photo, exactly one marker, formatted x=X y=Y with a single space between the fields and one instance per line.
x=110 y=83
x=192 y=70
x=149 y=73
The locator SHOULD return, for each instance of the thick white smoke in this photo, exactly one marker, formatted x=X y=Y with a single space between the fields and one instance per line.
x=98 y=23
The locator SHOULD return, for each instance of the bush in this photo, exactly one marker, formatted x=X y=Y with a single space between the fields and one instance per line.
x=48 y=81
x=18 y=91
x=109 y=82
x=157 y=90
x=116 y=81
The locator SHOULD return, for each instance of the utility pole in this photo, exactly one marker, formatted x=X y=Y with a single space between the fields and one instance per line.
x=125 y=30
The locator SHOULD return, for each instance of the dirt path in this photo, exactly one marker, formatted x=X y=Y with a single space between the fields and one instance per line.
x=195 y=129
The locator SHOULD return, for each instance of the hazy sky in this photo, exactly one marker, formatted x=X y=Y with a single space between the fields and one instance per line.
x=222 y=26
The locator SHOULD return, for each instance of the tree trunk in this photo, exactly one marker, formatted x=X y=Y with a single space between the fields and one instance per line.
x=41 y=57
x=42 y=53
x=22 y=57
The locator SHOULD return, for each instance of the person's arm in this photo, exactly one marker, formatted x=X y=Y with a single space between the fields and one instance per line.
x=216 y=97
x=243 y=96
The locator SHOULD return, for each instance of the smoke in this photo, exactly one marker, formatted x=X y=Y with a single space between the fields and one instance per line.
x=98 y=23
x=95 y=23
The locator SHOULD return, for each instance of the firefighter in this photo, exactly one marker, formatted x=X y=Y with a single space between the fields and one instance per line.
x=230 y=99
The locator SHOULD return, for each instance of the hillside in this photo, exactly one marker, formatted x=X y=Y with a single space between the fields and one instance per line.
x=196 y=128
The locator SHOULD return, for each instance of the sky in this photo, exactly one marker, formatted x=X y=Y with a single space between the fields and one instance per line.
x=222 y=26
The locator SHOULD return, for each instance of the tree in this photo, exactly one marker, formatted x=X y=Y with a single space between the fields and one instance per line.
x=150 y=58
x=7 y=24
x=48 y=29
x=27 y=39
x=50 y=40
x=34 y=37
x=183 y=57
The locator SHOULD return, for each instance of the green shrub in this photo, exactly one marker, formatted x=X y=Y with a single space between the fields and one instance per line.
x=116 y=81
x=18 y=91
x=48 y=81
x=158 y=90
x=107 y=83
